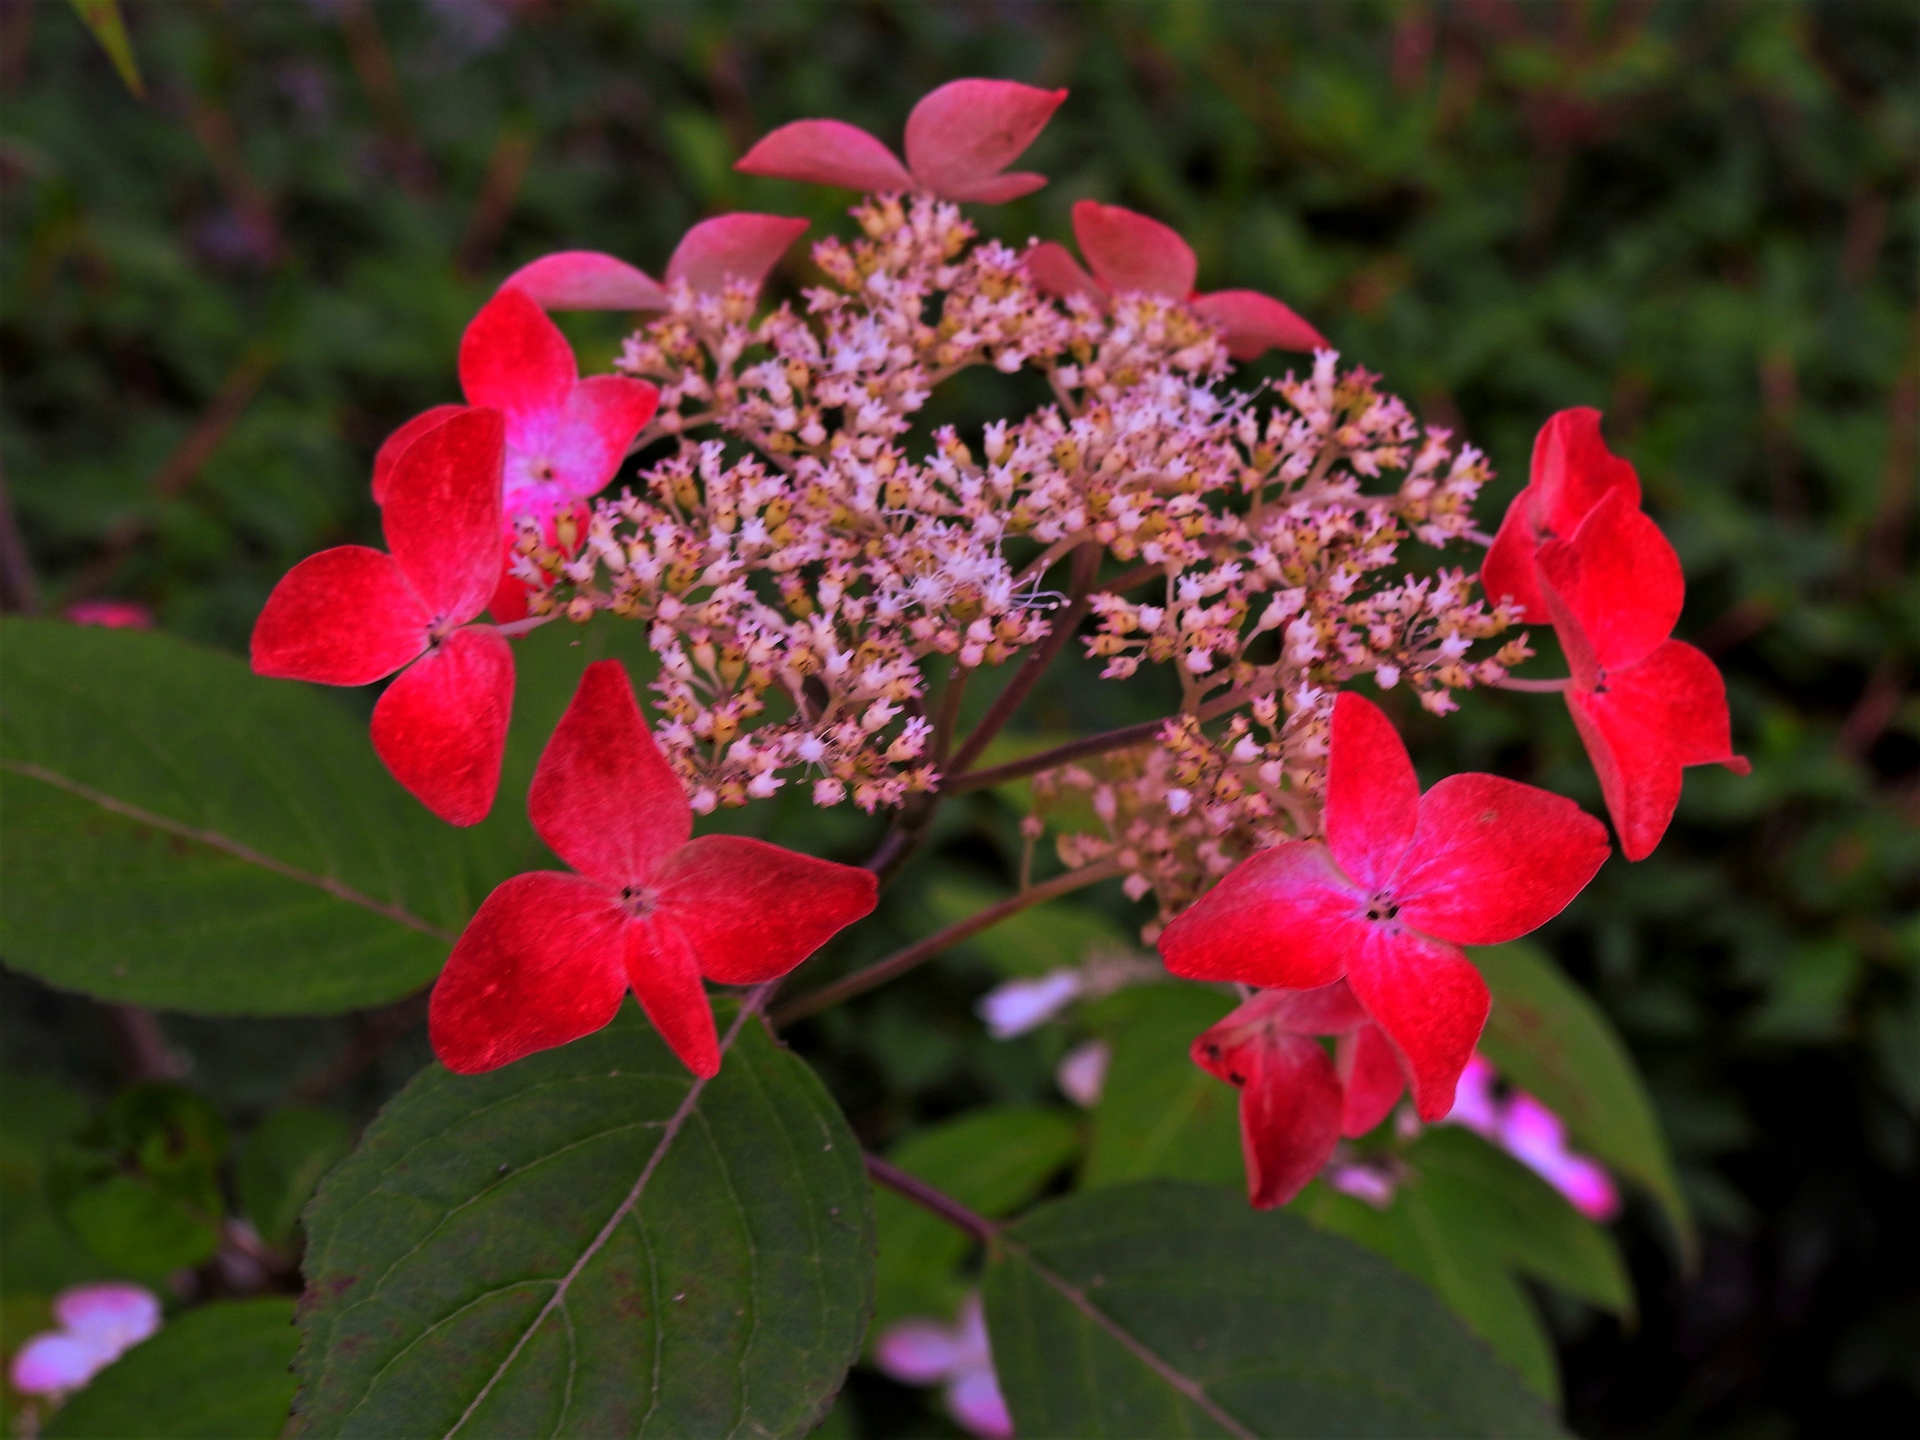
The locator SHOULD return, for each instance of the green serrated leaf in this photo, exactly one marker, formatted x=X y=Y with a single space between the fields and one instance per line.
x=1159 y=1113
x=1548 y=1037
x=103 y=18
x=993 y=1161
x=1531 y=1225
x=1161 y=1308
x=281 y=1163
x=588 y=1242
x=180 y=832
x=219 y=1372
x=1435 y=1235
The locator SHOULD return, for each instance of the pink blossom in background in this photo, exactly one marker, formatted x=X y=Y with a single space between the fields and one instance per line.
x=1082 y=1072
x=98 y=1324
x=114 y=614
x=1535 y=1136
x=925 y=1352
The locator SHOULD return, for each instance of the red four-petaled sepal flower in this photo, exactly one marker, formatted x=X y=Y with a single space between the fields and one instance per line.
x=1295 y=1101
x=565 y=436
x=1646 y=705
x=1131 y=252
x=549 y=956
x=353 y=615
x=960 y=140
x=1573 y=471
x=1401 y=882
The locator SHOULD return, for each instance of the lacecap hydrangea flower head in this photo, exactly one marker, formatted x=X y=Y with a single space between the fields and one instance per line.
x=820 y=586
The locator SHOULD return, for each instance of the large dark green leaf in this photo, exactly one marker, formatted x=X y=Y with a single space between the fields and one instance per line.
x=993 y=1161
x=220 y=1372
x=180 y=832
x=589 y=1243
x=1438 y=1234
x=1159 y=1113
x=1547 y=1036
x=1161 y=1308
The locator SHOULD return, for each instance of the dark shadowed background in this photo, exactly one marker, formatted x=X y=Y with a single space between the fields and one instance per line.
x=1700 y=217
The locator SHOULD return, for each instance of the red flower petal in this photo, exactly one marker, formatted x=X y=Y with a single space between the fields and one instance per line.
x=346 y=616
x=1323 y=1010
x=752 y=911
x=1572 y=472
x=826 y=152
x=1130 y=251
x=603 y=797
x=586 y=280
x=1289 y=1117
x=1284 y=917
x=441 y=727
x=1257 y=323
x=1507 y=572
x=962 y=135
x=442 y=513
x=395 y=445
x=1431 y=1003
x=509 y=602
x=1370 y=1077
x=1373 y=796
x=515 y=359
x=539 y=965
x=1054 y=271
x=591 y=434
x=666 y=980
x=1615 y=589
x=1492 y=859
x=1668 y=711
x=1290 y=1101
x=732 y=247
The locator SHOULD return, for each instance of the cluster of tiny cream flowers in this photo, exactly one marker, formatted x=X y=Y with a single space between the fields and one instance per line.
x=800 y=559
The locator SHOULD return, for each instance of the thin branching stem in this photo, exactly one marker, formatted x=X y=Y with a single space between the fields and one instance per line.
x=911 y=1188
x=1086 y=561
x=1534 y=687
x=1081 y=749
x=922 y=951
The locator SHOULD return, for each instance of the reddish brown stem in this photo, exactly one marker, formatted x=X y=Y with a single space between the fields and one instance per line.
x=922 y=951
x=1086 y=560
x=911 y=1188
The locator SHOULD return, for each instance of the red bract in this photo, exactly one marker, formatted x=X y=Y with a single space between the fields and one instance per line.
x=1646 y=705
x=1133 y=252
x=960 y=140
x=1295 y=1102
x=1573 y=471
x=353 y=615
x=1401 y=882
x=549 y=956
x=728 y=247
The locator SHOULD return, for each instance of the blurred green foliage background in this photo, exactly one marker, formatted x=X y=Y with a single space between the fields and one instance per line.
x=1701 y=217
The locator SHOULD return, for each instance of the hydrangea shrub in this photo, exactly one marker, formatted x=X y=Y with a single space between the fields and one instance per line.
x=580 y=1222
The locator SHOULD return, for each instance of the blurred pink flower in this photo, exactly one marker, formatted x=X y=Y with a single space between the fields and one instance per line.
x=114 y=614
x=98 y=1324
x=1535 y=1136
x=925 y=1352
